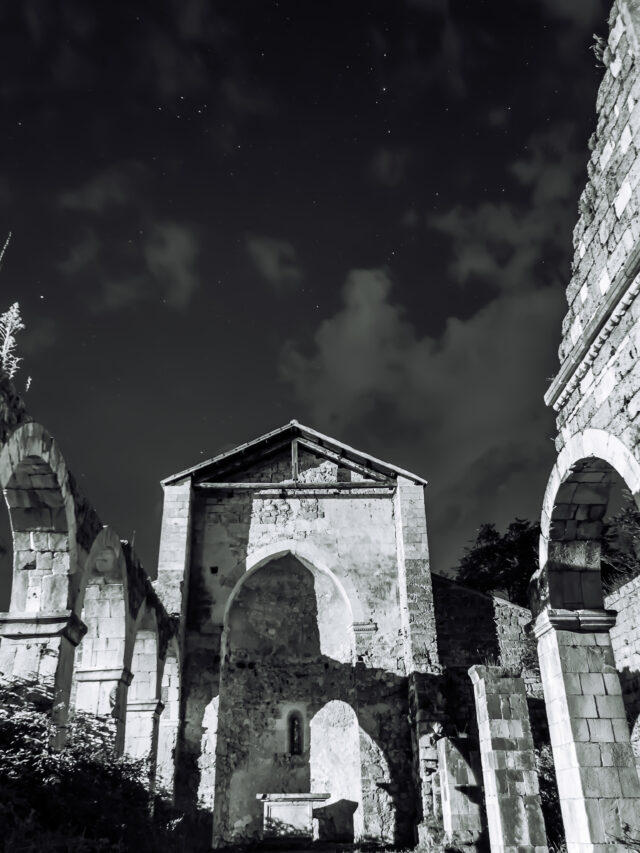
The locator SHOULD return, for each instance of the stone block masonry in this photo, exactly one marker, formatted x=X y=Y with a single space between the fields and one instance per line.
x=512 y=795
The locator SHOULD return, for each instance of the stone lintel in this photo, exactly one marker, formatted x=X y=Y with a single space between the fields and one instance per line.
x=292 y=798
x=578 y=621
x=146 y=707
x=40 y=626
x=364 y=627
x=117 y=674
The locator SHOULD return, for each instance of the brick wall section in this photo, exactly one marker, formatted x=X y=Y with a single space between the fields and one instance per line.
x=512 y=795
x=625 y=641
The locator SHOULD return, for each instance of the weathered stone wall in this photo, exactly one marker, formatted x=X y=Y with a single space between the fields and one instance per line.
x=72 y=578
x=625 y=641
x=349 y=540
x=474 y=628
x=603 y=392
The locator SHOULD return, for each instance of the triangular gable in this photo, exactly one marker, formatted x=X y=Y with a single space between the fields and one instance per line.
x=308 y=440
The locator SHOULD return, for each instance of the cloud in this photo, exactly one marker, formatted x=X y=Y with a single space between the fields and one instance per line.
x=388 y=166
x=463 y=407
x=467 y=404
x=170 y=252
x=109 y=188
x=40 y=334
x=582 y=13
x=275 y=260
x=111 y=274
x=501 y=244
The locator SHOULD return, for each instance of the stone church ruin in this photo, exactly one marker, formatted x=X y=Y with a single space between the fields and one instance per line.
x=297 y=670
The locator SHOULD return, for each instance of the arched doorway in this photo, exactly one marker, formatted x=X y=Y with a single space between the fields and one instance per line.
x=595 y=767
x=286 y=652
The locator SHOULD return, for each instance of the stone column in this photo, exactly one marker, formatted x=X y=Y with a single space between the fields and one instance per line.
x=461 y=790
x=141 y=733
x=39 y=648
x=174 y=554
x=512 y=797
x=103 y=692
x=595 y=767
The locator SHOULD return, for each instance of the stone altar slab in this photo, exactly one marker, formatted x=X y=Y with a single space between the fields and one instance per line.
x=289 y=815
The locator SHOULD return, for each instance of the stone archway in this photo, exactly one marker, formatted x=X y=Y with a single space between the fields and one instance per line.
x=41 y=629
x=287 y=651
x=101 y=676
x=595 y=766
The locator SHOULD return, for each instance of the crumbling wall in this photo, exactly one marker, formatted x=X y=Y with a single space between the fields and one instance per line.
x=474 y=628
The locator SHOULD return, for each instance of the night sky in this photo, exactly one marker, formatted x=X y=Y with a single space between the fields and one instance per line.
x=229 y=214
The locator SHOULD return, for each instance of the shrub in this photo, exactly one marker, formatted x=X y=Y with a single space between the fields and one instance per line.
x=81 y=799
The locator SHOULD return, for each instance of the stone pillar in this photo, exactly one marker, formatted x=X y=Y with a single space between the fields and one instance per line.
x=459 y=777
x=103 y=692
x=167 y=742
x=414 y=578
x=174 y=554
x=512 y=796
x=38 y=648
x=141 y=733
x=595 y=767
x=418 y=622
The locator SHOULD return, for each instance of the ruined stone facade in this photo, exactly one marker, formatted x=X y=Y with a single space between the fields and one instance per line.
x=296 y=643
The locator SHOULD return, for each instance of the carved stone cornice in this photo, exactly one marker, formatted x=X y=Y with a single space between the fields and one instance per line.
x=578 y=621
x=621 y=294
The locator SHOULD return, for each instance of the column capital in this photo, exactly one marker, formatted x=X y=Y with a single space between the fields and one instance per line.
x=42 y=625
x=115 y=674
x=146 y=707
x=578 y=621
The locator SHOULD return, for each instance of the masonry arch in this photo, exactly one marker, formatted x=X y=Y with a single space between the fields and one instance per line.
x=41 y=507
x=101 y=674
x=587 y=715
x=41 y=630
x=287 y=649
x=314 y=558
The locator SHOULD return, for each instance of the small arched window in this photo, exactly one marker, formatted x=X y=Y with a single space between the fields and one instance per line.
x=294 y=733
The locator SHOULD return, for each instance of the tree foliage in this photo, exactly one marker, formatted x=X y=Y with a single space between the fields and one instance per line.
x=81 y=799
x=497 y=562
x=502 y=561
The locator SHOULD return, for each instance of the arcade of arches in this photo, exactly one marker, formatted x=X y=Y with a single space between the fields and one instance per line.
x=296 y=655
